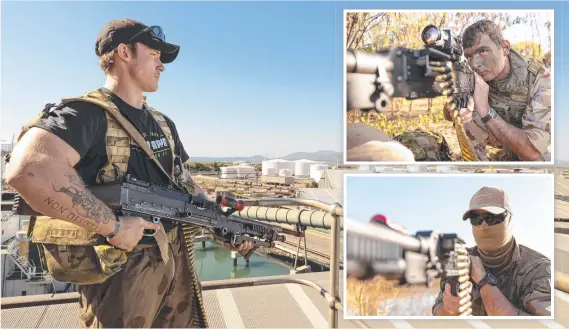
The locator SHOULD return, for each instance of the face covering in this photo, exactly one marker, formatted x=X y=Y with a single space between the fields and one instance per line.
x=495 y=242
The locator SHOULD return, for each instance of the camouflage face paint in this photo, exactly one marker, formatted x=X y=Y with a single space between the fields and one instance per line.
x=486 y=58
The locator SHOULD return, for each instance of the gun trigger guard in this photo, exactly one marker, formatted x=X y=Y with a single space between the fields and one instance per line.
x=148 y=234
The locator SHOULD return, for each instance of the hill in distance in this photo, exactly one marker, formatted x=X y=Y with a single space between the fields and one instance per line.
x=328 y=157
x=561 y=163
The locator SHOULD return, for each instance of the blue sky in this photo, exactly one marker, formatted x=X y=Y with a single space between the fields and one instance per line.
x=250 y=75
x=437 y=202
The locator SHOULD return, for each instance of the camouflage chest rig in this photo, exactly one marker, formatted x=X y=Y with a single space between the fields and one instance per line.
x=511 y=104
x=72 y=253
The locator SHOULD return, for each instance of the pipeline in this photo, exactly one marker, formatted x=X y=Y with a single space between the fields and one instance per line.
x=308 y=218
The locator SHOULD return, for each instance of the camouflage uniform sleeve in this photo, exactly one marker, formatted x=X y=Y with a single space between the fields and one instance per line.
x=537 y=119
x=535 y=296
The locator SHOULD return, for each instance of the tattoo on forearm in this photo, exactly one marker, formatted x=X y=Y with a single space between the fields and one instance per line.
x=84 y=203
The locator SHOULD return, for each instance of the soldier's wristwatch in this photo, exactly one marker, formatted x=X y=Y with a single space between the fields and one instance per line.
x=488 y=279
x=490 y=115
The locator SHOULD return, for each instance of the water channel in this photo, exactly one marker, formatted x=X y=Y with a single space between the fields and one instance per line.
x=215 y=263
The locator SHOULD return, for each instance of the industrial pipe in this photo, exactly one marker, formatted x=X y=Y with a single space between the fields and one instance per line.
x=308 y=218
x=332 y=208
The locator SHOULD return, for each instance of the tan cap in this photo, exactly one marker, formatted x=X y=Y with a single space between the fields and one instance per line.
x=491 y=199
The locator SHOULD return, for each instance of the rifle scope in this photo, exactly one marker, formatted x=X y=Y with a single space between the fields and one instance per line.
x=442 y=39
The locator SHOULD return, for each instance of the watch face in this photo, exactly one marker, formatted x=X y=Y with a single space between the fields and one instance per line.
x=492 y=279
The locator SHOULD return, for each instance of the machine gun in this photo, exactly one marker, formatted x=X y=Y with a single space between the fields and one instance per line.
x=132 y=197
x=373 y=249
x=439 y=69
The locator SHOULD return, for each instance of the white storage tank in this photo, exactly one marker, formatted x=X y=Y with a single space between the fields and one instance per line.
x=228 y=172
x=317 y=170
x=316 y=167
x=285 y=172
x=245 y=171
x=302 y=167
x=271 y=172
x=278 y=164
x=315 y=175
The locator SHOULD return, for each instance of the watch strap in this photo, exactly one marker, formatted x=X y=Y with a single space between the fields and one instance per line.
x=482 y=282
x=490 y=115
x=486 y=280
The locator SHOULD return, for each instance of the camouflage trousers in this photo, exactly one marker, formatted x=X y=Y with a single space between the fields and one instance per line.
x=425 y=145
x=431 y=146
x=146 y=293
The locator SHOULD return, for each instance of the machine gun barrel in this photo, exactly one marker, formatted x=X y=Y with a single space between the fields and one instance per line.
x=366 y=63
x=357 y=229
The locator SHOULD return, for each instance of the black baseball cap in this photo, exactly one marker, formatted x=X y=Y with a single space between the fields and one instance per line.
x=128 y=30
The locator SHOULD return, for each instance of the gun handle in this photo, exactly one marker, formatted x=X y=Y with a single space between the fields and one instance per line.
x=454 y=286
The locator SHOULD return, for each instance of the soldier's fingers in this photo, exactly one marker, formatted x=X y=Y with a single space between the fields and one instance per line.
x=465 y=115
x=229 y=246
x=464 y=112
x=150 y=225
x=470 y=103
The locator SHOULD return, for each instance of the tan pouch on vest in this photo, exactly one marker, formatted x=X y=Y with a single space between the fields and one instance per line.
x=70 y=253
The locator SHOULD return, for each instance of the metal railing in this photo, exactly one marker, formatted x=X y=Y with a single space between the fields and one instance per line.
x=259 y=209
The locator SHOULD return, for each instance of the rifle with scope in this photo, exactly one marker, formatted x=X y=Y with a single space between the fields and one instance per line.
x=372 y=250
x=439 y=69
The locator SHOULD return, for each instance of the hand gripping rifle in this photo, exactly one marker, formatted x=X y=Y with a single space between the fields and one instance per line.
x=377 y=250
x=437 y=70
x=133 y=197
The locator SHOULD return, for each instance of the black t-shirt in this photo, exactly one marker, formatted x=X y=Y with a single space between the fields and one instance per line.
x=84 y=126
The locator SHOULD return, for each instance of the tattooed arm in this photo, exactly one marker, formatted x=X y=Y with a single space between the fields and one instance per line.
x=41 y=169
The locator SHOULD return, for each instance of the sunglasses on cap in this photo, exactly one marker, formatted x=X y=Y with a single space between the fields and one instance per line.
x=154 y=30
x=489 y=218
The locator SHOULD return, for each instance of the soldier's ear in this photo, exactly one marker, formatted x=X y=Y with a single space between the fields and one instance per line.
x=506 y=47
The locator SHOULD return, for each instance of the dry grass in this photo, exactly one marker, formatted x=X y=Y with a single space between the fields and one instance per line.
x=404 y=116
x=364 y=296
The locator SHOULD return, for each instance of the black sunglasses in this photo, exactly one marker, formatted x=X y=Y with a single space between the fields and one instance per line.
x=155 y=31
x=489 y=218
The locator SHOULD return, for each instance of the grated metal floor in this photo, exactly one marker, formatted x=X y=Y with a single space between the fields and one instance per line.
x=274 y=306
